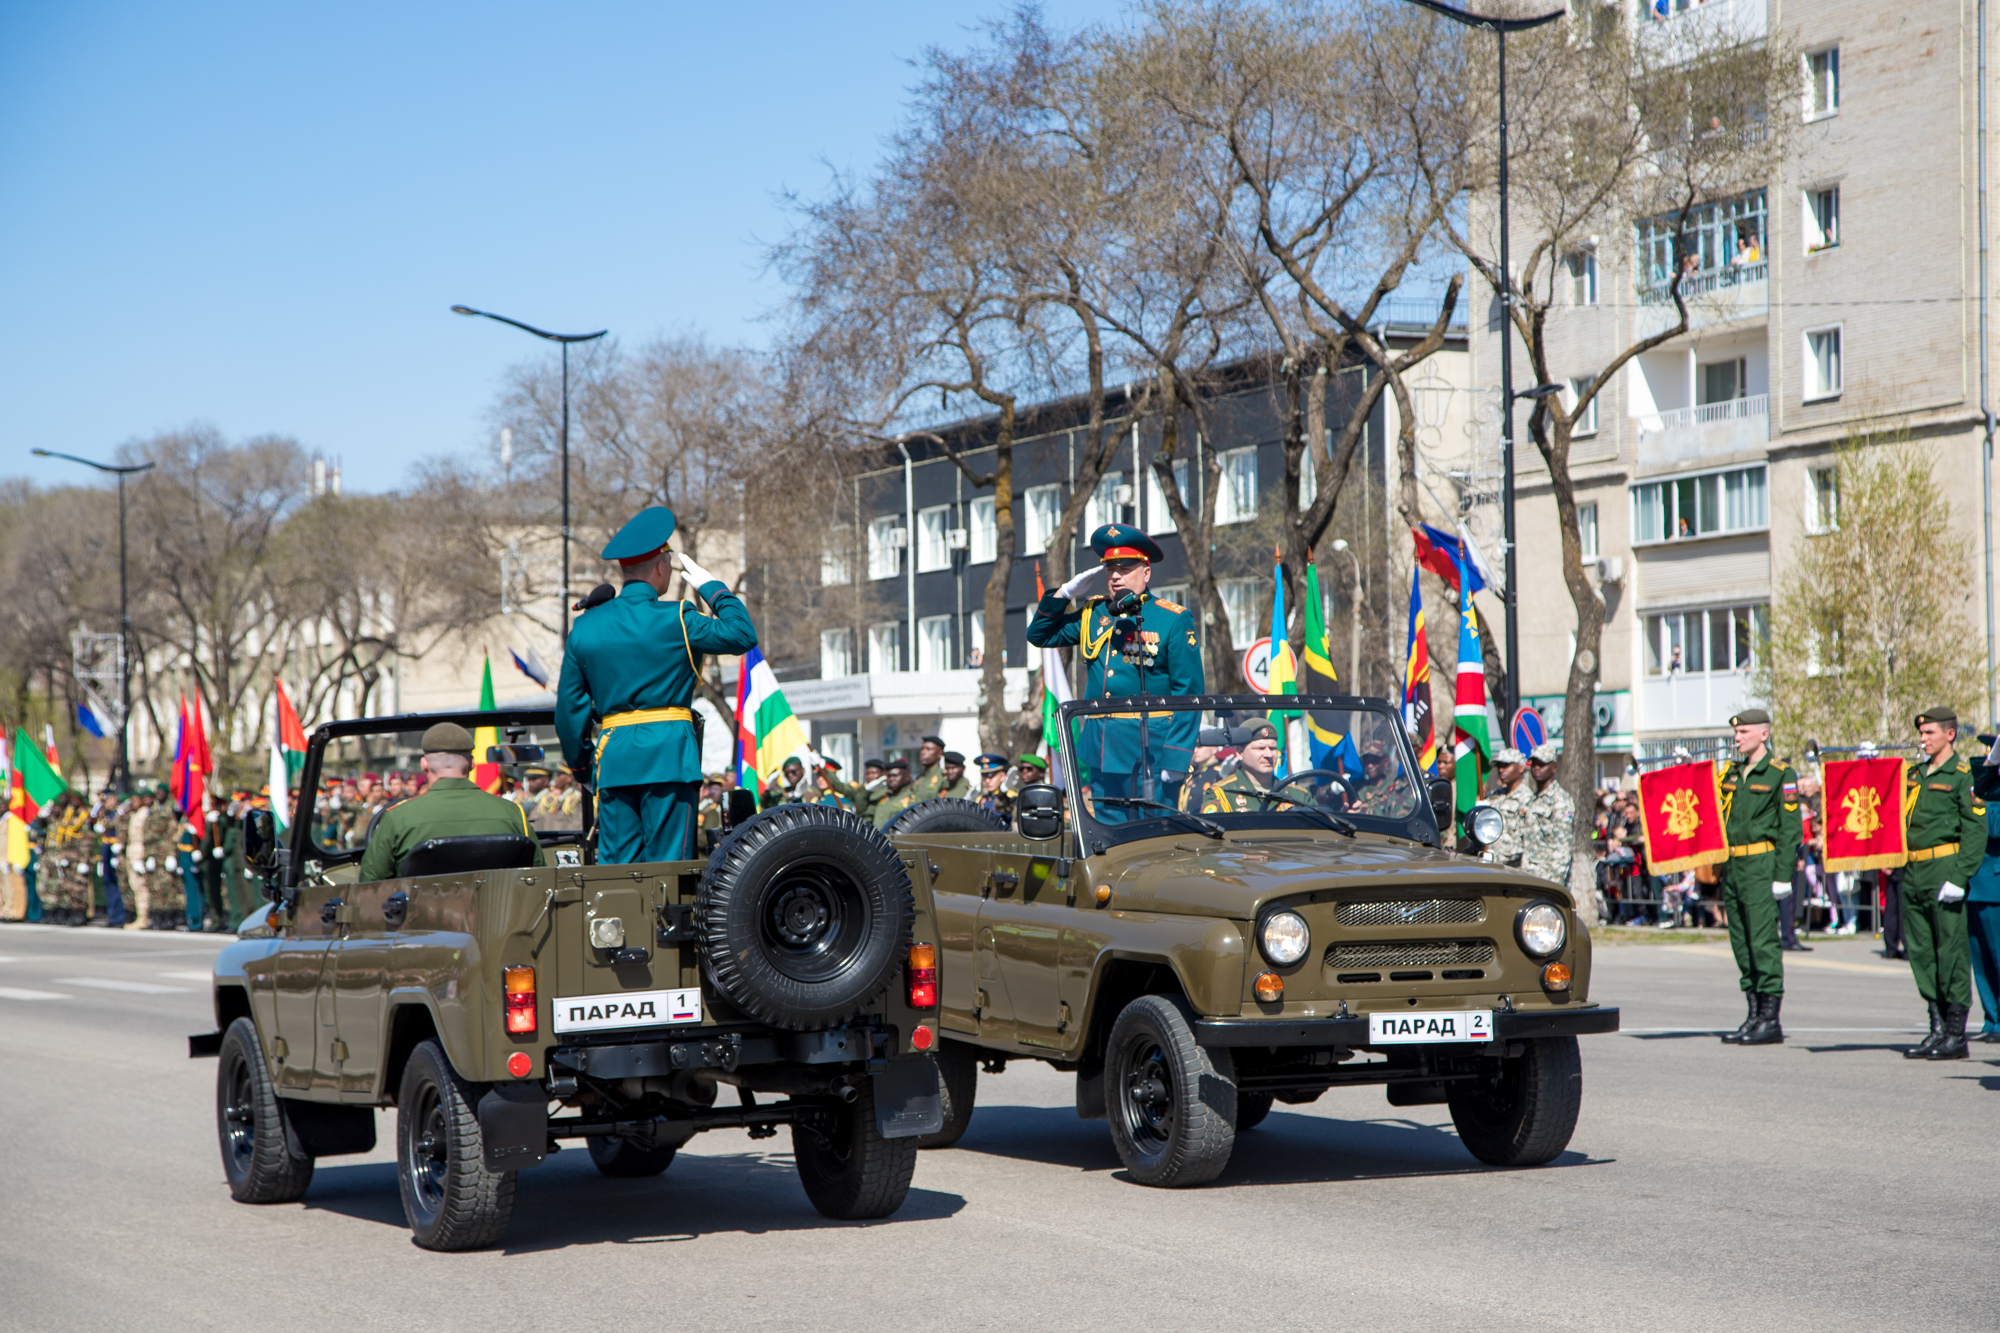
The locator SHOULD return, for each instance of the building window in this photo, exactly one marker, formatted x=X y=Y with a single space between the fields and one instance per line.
x=1822 y=82
x=1703 y=506
x=1043 y=506
x=836 y=563
x=1822 y=218
x=1176 y=593
x=1582 y=267
x=1104 y=506
x=1239 y=602
x=839 y=747
x=934 y=643
x=1721 y=381
x=836 y=653
x=1823 y=374
x=1586 y=529
x=1237 y=500
x=985 y=536
x=1709 y=641
x=975 y=640
x=885 y=548
x=1158 y=519
x=933 y=550
x=885 y=647
x=1822 y=499
x=1587 y=423
x=1721 y=245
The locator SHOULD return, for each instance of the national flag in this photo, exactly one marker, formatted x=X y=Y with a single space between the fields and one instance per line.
x=201 y=763
x=17 y=828
x=288 y=756
x=89 y=721
x=1864 y=820
x=184 y=777
x=36 y=780
x=531 y=667
x=767 y=734
x=1680 y=812
x=486 y=776
x=1055 y=691
x=1326 y=745
x=1445 y=555
x=1472 y=748
x=1417 y=683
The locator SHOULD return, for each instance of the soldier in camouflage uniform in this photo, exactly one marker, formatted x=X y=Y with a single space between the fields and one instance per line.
x=1381 y=793
x=1551 y=819
x=138 y=863
x=1510 y=794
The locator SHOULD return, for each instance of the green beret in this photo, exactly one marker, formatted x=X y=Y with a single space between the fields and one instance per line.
x=649 y=530
x=1751 y=717
x=1032 y=761
x=1944 y=717
x=447 y=738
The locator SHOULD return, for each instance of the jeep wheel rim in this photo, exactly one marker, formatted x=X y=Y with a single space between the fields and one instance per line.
x=429 y=1151
x=812 y=922
x=239 y=1114
x=1148 y=1100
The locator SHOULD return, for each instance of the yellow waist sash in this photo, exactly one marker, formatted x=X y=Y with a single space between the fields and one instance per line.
x=634 y=718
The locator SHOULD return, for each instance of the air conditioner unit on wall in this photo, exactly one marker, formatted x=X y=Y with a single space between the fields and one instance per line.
x=1611 y=569
x=957 y=539
x=899 y=538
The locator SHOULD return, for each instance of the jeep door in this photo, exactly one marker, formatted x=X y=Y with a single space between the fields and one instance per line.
x=303 y=1003
x=356 y=970
x=1022 y=916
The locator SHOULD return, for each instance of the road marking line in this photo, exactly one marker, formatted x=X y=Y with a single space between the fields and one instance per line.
x=9 y=960
x=188 y=976
x=12 y=993
x=135 y=987
x=1710 y=1031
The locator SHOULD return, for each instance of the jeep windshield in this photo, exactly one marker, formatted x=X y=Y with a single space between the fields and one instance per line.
x=1214 y=764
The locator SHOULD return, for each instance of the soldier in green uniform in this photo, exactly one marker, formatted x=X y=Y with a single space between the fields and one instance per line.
x=954 y=777
x=631 y=666
x=927 y=776
x=1760 y=817
x=1255 y=786
x=1132 y=643
x=882 y=800
x=1947 y=841
x=451 y=807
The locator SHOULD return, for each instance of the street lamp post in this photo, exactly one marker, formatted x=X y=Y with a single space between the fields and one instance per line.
x=124 y=779
x=1500 y=27
x=565 y=339
x=1353 y=618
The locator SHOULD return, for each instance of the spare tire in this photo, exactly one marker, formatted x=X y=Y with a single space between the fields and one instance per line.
x=803 y=915
x=945 y=814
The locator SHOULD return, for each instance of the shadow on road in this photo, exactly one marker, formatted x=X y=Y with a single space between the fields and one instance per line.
x=1286 y=1149
x=566 y=1202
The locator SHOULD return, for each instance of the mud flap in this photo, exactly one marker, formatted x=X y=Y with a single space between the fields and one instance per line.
x=1416 y=1094
x=907 y=1102
x=1090 y=1090
x=318 y=1129
x=514 y=1126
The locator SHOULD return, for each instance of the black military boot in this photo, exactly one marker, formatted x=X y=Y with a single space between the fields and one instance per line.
x=1765 y=1031
x=1749 y=1020
x=1951 y=1041
x=1923 y=1048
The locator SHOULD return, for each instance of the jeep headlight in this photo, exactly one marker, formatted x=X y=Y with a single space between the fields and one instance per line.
x=1540 y=928
x=1487 y=825
x=1284 y=938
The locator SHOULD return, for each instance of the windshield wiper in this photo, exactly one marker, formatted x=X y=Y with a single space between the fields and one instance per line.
x=1208 y=826
x=1333 y=821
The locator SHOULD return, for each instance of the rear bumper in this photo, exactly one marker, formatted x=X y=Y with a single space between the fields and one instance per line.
x=1352 y=1032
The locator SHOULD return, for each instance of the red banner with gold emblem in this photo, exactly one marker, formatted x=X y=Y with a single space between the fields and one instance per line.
x=1862 y=812
x=1680 y=810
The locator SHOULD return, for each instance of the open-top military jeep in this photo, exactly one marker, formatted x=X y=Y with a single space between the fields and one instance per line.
x=1192 y=968
x=501 y=1007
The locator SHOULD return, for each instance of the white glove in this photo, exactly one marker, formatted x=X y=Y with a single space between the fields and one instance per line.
x=1075 y=585
x=1781 y=888
x=1950 y=893
x=696 y=576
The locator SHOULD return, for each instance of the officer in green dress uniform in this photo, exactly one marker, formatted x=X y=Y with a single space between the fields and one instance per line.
x=1760 y=817
x=1132 y=643
x=631 y=666
x=1946 y=825
x=452 y=806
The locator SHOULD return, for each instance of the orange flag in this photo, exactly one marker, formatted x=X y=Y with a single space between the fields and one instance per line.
x=1862 y=801
x=1680 y=810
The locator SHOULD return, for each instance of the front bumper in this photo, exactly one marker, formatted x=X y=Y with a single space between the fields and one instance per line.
x=1352 y=1032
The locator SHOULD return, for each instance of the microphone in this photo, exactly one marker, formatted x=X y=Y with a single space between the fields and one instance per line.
x=597 y=596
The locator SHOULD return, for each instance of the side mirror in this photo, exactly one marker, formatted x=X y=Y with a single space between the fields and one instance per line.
x=516 y=754
x=1444 y=803
x=259 y=841
x=1038 y=811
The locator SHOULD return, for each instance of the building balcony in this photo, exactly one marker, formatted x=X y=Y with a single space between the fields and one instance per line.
x=1710 y=430
x=1696 y=701
x=1700 y=25
x=1738 y=292
x=898 y=694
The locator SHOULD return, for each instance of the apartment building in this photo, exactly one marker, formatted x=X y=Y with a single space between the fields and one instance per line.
x=1839 y=296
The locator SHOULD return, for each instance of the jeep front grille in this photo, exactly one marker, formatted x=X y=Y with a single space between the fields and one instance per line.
x=1440 y=953
x=1421 y=912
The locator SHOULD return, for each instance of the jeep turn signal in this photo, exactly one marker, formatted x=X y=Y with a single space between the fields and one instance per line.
x=923 y=976
x=1270 y=987
x=518 y=1064
x=520 y=1001
x=1556 y=976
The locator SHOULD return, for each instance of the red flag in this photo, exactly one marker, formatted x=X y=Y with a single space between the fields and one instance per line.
x=177 y=776
x=200 y=762
x=1863 y=805
x=1680 y=810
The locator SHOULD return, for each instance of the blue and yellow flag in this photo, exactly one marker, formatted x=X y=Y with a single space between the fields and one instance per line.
x=1331 y=748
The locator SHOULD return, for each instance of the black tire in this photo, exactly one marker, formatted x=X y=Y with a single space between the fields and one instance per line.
x=850 y=1172
x=944 y=814
x=1251 y=1108
x=249 y=1122
x=1171 y=1101
x=958 y=1089
x=1524 y=1111
x=627 y=1159
x=451 y=1200
x=803 y=914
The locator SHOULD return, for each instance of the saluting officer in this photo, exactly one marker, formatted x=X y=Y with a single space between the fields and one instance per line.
x=1947 y=841
x=1760 y=818
x=631 y=666
x=1132 y=643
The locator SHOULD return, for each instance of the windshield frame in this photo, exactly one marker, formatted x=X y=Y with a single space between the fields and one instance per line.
x=1096 y=836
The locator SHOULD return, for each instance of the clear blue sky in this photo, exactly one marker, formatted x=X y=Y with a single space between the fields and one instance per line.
x=256 y=216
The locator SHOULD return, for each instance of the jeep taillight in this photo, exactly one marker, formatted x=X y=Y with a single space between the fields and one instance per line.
x=521 y=1001
x=923 y=976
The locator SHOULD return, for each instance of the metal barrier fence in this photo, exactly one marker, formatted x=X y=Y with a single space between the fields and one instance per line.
x=1629 y=896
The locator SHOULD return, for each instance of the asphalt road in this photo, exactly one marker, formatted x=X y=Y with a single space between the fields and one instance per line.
x=1826 y=1185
